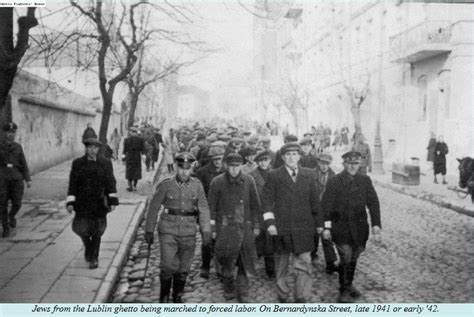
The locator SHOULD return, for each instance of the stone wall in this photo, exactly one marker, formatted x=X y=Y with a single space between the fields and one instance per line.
x=51 y=120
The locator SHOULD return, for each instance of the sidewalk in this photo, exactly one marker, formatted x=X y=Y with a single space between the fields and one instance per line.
x=427 y=190
x=43 y=260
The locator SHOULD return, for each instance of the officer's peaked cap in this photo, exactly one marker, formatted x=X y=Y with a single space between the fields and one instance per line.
x=184 y=159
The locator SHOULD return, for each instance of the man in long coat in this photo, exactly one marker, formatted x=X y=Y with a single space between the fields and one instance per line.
x=290 y=206
x=133 y=147
x=235 y=210
x=345 y=200
x=92 y=194
x=264 y=241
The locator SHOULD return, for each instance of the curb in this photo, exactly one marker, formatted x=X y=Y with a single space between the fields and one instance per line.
x=435 y=199
x=108 y=284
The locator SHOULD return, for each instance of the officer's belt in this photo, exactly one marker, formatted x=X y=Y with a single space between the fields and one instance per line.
x=180 y=212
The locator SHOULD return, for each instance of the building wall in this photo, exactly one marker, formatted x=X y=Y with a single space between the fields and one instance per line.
x=51 y=120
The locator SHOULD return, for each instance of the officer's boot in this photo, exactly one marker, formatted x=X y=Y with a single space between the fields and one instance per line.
x=344 y=284
x=269 y=266
x=179 y=280
x=165 y=289
x=354 y=292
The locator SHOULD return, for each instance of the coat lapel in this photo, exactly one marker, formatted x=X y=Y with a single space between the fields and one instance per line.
x=286 y=179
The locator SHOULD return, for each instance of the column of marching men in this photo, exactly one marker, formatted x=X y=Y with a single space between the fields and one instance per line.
x=252 y=203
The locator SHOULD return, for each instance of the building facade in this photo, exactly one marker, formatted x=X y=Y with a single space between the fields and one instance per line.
x=415 y=61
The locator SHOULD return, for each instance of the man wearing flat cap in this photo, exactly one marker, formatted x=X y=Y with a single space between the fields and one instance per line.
x=206 y=174
x=347 y=196
x=291 y=213
x=278 y=157
x=91 y=195
x=235 y=212
x=184 y=202
x=323 y=173
x=13 y=173
x=264 y=241
x=307 y=158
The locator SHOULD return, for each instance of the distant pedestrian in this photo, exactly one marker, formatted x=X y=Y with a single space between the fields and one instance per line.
x=431 y=150
x=439 y=164
x=183 y=200
x=89 y=132
x=235 y=210
x=157 y=140
x=13 y=172
x=307 y=159
x=133 y=148
x=115 y=139
x=347 y=196
x=345 y=137
x=91 y=195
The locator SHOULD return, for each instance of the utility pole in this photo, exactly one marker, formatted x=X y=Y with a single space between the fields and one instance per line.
x=378 y=154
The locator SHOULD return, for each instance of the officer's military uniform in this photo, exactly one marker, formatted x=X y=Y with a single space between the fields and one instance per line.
x=344 y=203
x=13 y=172
x=182 y=202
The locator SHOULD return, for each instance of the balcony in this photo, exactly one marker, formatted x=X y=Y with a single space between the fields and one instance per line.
x=425 y=40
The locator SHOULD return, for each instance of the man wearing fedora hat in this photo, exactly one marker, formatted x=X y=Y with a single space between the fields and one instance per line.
x=91 y=195
x=292 y=214
x=13 y=172
x=347 y=196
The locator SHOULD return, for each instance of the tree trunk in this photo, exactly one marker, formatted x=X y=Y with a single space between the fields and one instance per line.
x=104 y=123
x=133 y=108
x=356 y=116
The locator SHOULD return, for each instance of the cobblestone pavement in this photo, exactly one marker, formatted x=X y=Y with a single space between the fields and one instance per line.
x=426 y=255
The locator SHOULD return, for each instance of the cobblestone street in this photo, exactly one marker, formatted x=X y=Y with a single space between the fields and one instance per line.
x=425 y=256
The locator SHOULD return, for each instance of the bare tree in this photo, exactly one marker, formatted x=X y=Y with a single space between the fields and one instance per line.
x=11 y=54
x=357 y=98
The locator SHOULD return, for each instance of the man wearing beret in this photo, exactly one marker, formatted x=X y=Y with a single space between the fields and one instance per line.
x=183 y=199
x=323 y=173
x=235 y=211
x=345 y=200
x=263 y=241
x=92 y=194
x=291 y=213
x=13 y=172
x=206 y=174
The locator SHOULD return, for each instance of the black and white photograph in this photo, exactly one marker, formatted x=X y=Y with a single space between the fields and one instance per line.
x=240 y=151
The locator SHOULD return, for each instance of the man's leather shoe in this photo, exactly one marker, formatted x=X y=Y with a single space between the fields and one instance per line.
x=94 y=264
x=12 y=222
x=204 y=273
x=354 y=292
x=345 y=297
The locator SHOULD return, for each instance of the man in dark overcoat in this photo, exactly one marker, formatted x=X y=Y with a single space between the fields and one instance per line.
x=290 y=206
x=206 y=174
x=323 y=173
x=307 y=158
x=133 y=147
x=235 y=210
x=158 y=139
x=13 y=173
x=264 y=241
x=345 y=200
x=92 y=194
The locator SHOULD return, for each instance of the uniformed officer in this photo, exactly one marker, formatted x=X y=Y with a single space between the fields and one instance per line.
x=13 y=172
x=92 y=194
x=183 y=199
x=345 y=200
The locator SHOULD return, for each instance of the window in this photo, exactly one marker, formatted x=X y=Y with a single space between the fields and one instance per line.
x=422 y=84
x=444 y=85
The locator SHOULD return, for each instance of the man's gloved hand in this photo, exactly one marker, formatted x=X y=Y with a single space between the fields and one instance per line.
x=149 y=237
x=206 y=237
